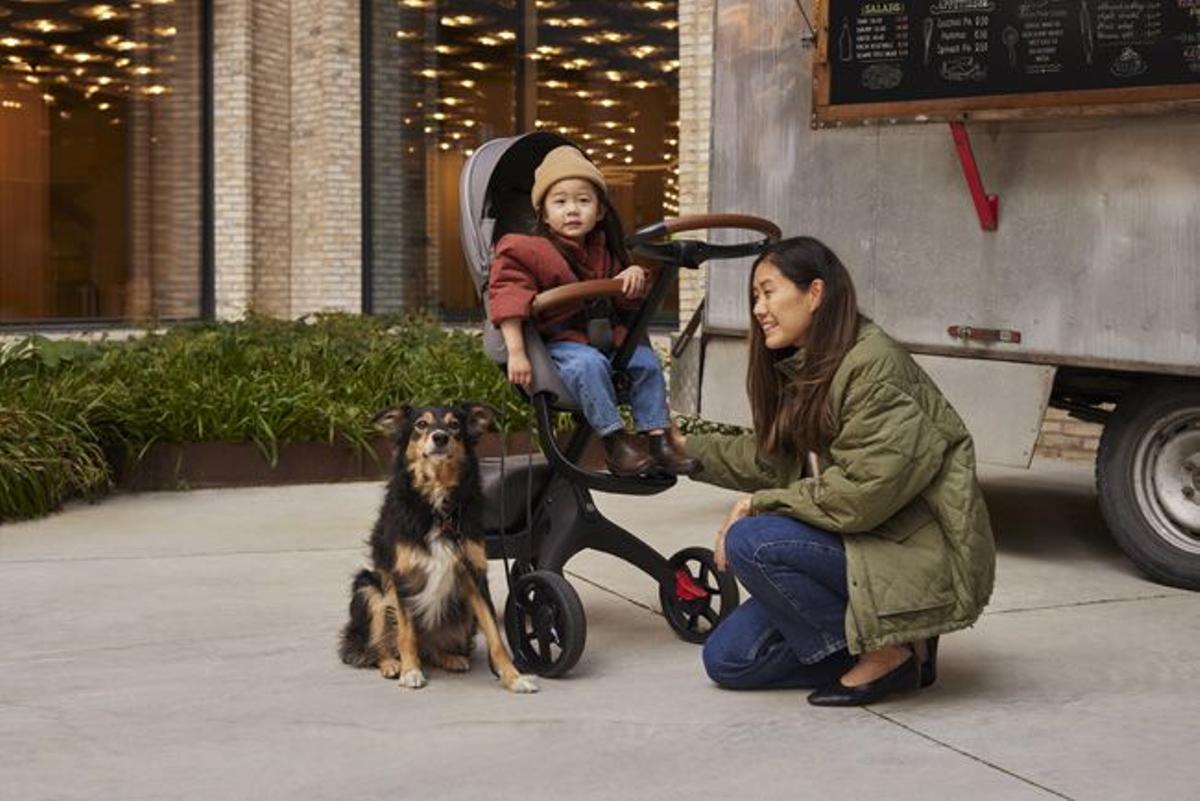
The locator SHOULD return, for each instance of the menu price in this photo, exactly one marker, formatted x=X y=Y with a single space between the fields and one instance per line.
x=897 y=50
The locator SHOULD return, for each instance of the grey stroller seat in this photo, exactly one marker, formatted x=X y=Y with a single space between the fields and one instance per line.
x=504 y=168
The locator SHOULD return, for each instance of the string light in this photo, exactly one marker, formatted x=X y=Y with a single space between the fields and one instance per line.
x=599 y=77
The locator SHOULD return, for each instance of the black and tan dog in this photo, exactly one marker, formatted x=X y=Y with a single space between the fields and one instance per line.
x=426 y=593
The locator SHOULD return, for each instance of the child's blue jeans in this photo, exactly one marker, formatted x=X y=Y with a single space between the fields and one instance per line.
x=791 y=631
x=588 y=374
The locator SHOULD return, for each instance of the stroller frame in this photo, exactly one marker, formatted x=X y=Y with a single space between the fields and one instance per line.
x=544 y=619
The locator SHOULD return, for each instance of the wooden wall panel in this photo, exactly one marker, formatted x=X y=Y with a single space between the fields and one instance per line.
x=24 y=204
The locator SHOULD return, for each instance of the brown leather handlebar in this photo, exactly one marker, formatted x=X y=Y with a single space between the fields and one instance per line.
x=568 y=294
x=699 y=222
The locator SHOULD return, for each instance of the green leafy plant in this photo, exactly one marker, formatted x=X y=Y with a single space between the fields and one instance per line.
x=69 y=409
x=260 y=380
x=43 y=461
x=696 y=425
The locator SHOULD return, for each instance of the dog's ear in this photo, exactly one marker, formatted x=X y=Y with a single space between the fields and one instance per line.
x=481 y=417
x=392 y=419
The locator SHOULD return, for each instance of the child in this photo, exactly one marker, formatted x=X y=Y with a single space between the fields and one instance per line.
x=579 y=238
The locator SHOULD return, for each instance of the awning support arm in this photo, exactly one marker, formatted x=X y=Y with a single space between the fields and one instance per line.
x=986 y=206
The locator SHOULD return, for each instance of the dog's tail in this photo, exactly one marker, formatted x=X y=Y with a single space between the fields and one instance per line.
x=366 y=599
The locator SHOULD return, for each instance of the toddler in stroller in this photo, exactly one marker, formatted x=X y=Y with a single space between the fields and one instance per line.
x=539 y=512
x=578 y=238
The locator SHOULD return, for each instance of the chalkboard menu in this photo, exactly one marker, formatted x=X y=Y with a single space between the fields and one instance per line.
x=921 y=59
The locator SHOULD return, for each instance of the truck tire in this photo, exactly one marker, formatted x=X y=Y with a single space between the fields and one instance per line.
x=1148 y=480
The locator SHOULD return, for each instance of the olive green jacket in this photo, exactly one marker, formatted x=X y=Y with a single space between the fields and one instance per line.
x=898 y=481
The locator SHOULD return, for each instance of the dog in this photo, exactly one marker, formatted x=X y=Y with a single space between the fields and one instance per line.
x=426 y=593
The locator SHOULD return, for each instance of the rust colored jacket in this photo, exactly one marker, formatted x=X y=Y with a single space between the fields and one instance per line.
x=524 y=266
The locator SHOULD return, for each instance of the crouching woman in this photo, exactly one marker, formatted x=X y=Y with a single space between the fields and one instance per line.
x=856 y=564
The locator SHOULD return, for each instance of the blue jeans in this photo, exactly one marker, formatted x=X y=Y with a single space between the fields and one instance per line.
x=791 y=631
x=588 y=374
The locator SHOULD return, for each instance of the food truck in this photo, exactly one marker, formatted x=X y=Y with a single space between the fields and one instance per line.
x=1015 y=188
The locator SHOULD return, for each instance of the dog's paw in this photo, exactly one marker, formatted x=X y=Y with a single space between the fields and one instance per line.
x=455 y=663
x=413 y=679
x=522 y=684
x=390 y=668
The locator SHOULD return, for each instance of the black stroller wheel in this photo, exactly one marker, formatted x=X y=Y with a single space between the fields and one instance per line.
x=698 y=596
x=545 y=624
x=519 y=569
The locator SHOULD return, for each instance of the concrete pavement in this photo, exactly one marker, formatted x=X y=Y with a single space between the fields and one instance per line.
x=182 y=645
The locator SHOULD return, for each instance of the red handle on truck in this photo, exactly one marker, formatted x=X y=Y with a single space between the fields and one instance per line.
x=970 y=333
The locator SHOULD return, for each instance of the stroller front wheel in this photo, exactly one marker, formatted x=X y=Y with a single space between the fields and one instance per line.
x=545 y=624
x=699 y=596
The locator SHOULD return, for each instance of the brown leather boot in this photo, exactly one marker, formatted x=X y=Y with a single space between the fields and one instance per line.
x=624 y=457
x=669 y=455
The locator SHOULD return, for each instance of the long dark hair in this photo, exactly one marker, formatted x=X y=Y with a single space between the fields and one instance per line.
x=609 y=224
x=791 y=416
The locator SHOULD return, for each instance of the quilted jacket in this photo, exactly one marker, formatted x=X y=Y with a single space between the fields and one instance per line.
x=897 y=481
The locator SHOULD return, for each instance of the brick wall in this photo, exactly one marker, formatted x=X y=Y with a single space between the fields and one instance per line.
x=288 y=157
x=271 y=192
x=326 y=156
x=233 y=177
x=1064 y=437
x=696 y=24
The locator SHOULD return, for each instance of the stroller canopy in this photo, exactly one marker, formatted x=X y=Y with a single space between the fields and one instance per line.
x=494 y=194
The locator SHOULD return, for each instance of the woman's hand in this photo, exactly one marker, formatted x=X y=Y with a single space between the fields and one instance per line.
x=633 y=281
x=520 y=371
x=740 y=509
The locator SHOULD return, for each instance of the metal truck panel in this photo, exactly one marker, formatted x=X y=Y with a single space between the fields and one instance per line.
x=1001 y=403
x=1097 y=256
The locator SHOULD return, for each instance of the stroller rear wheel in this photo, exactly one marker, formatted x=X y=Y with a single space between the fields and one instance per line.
x=545 y=624
x=520 y=568
x=699 y=596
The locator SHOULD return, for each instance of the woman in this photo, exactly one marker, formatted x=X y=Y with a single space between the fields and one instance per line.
x=855 y=570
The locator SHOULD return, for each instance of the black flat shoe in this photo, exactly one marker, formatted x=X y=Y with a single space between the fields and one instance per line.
x=929 y=663
x=906 y=676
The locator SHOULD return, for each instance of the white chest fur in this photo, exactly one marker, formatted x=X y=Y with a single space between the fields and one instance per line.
x=431 y=602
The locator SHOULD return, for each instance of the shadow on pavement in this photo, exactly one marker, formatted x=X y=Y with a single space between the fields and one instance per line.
x=1054 y=517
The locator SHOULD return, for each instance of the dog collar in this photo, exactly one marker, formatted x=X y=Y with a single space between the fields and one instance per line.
x=447 y=520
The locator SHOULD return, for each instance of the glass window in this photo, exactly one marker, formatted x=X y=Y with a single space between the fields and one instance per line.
x=446 y=76
x=100 y=160
x=608 y=79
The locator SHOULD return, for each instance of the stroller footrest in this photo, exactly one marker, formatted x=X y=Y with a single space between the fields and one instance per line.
x=639 y=485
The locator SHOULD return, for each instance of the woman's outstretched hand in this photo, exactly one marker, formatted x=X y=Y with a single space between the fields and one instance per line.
x=633 y=281
x=740 y=509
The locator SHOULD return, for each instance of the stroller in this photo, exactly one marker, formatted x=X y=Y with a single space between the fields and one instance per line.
x=539 y=511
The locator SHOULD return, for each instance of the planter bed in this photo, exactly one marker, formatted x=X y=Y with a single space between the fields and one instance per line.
x=201 y=465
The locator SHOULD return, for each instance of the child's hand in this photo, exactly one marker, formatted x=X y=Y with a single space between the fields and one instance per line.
x=520 y=371
x=633 y=281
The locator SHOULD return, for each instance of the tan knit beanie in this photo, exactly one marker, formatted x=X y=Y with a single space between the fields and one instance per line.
x=563 y=162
